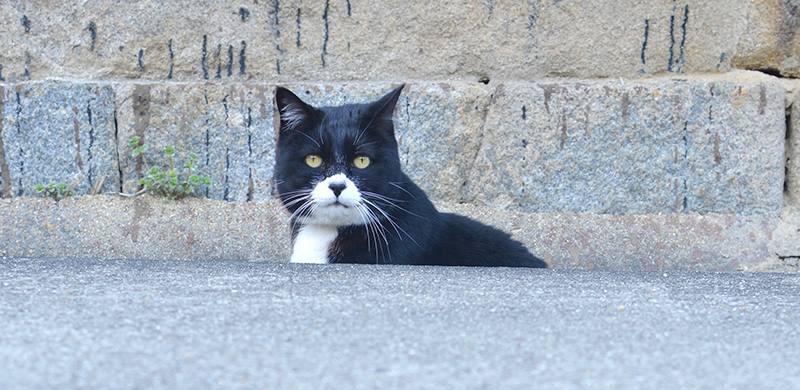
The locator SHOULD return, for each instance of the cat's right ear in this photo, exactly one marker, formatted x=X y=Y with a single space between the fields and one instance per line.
x=291 y=109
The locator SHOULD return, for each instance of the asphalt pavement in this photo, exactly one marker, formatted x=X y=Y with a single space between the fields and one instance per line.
x=87 y=324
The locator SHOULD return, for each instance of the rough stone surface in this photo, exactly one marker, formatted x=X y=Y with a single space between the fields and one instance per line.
x=793 y=151
x=696 y=145
x=771 y=42
x=109 y=227
x=59 y=132
x=367 y=40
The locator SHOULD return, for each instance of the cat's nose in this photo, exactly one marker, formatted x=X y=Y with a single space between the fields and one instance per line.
x=337 y=188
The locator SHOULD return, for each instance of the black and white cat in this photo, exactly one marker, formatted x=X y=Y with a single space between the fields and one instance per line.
x=337 y=170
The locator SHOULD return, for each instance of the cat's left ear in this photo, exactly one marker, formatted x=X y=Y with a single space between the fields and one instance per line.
x=383 y=108
x=293 y=111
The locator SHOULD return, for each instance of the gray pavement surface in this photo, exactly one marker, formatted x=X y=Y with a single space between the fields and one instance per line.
x=207 y=324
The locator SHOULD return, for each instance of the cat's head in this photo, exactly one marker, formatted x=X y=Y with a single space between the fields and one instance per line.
x=336 y=165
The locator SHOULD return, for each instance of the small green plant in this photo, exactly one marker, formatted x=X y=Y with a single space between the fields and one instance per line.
x=165 y=180
x=56 y=191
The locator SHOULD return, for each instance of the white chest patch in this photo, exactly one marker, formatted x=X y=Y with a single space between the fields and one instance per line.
x=312 y=244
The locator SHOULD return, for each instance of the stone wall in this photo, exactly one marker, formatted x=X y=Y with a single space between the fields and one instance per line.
x=538 y=111
x=367 y=40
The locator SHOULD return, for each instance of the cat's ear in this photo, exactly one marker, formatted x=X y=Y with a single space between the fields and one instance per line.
x=383 y=108
x=292 y=110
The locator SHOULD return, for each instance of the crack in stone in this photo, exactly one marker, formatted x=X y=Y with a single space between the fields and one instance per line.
x=325 y=33
x=250 y=183
x=298 y=44
x=243 y=59
x=171 y=59
x=116 y=145
x=89 y=155
x=226 y=187
x=20 y=190
x=208 y=135
x=643 y=54
x=275 y=29
x=5 y=174
x=204 y=57
x=76 y=127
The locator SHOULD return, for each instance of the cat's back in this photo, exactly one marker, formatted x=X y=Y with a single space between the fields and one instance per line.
x=463 y=241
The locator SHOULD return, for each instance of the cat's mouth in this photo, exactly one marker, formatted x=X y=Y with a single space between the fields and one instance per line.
x=336 y=205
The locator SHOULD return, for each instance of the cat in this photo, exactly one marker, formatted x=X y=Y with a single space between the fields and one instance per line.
x=337 y=171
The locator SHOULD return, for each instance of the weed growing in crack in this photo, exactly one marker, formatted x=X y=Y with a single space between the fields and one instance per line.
x=55 y=191
x=165 y=180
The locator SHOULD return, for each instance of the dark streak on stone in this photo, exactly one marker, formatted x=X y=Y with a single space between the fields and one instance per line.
x=626 y=102
x=722 y=58
x=171 y=54
x=524 y=143
x=27 y=70
x=208 y=138
x=226 y=188
x=643 y=54
x=717 y=155
x=685 y=166
x=116 y=143
x=21 y=151
x=89 y=156
x=275 y=27
x=244 y=14
x=326 y=33
x=26 y=23
x=533 y=16
x=349 y=8
x=243 y=59
x=489 y=4
x=563 y=131
x=229 y=67
x=762 y=100
x=548 y=93
x=225 y=195
x=140 y=60
x=76 y=127
x=524 y=113
x=92 y=28
x=297 y=22
x=203 y=57
x=250 y=182
x=141 y=118
x=682 y=55
x=5 y=174
x=218 y=60
x=671 y=39
x=1 y=73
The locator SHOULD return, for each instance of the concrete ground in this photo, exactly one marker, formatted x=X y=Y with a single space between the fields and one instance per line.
x=211 y=324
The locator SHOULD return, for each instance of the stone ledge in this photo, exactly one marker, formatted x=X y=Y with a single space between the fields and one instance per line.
x=109 y=227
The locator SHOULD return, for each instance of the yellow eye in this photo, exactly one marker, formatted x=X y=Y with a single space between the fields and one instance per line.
x=313 y=160
x=361 y=162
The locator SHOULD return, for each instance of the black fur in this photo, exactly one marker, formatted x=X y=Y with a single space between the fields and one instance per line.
x=422 y=235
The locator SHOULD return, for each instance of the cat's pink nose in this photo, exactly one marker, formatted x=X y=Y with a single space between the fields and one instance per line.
x=337 y=188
